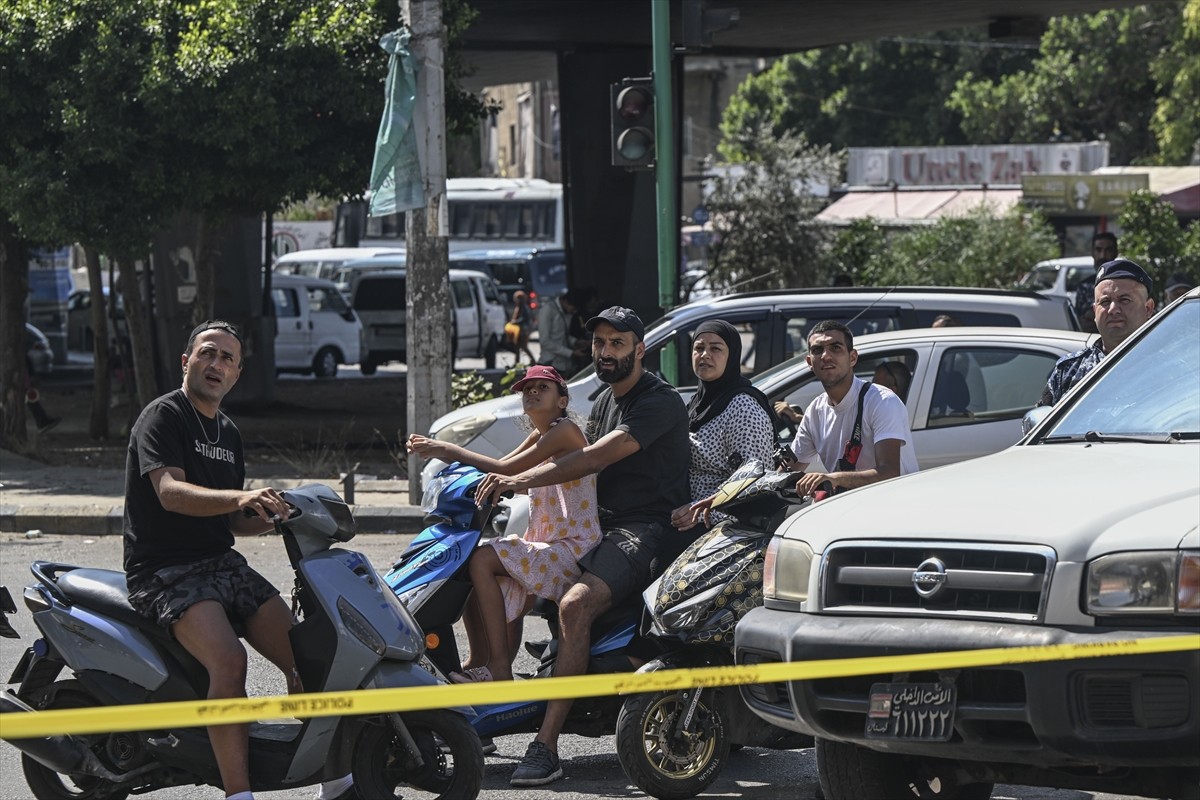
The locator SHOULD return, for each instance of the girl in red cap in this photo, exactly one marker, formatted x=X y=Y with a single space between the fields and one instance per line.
x=509 y=572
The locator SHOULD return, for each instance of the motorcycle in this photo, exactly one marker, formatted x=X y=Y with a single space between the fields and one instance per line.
x=354 y=634
x=432 y=581
x=674 y=743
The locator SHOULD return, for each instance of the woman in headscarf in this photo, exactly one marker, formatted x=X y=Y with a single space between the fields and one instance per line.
x=731 y=422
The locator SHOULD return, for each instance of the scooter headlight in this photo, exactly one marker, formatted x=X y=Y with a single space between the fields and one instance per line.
x=429 y=499
x=357 y=624
x=685 y=615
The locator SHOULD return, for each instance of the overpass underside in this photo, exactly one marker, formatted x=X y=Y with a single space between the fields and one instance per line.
x=585 y=45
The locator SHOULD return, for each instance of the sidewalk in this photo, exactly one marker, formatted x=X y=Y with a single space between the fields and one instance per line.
x=90 y=501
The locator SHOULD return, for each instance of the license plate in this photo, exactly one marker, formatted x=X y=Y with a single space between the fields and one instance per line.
x=915 y=711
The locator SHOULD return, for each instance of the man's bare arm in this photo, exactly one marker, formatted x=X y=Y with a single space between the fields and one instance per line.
x=178 y=495
x=587 y=461
x=887 y=465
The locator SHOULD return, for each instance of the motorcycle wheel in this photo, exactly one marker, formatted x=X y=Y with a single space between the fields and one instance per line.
x=448 y=745
x=45 y=783
x=850 y=772
x=665 y=767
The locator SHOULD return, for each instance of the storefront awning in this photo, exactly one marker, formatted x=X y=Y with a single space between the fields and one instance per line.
x=916 y=207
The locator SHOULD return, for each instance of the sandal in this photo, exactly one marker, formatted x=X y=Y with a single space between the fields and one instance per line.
x=472 y=675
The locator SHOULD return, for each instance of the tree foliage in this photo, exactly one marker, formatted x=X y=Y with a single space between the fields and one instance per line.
x=120 y=115
x=1098 y=76
x=976 y=249
x=762 y=215
x=1153 y=237
x=1131 y=76
x=1176 y=71
x=889 y=92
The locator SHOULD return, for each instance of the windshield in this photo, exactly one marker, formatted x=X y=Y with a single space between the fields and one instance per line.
x=1039 y=278
x=1153 y=390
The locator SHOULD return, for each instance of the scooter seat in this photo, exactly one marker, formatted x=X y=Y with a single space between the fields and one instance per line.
x=102 y=590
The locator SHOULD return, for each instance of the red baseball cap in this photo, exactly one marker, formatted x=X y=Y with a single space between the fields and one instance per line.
x=540 y=372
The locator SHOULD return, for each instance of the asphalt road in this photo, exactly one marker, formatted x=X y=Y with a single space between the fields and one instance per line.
x=591 y=766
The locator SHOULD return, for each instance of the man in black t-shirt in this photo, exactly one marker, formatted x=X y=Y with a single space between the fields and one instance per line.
x=638 y=434
x=184 y=502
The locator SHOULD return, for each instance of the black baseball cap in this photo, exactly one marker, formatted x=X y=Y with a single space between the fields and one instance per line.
x=621 y=318
x=1124 y=268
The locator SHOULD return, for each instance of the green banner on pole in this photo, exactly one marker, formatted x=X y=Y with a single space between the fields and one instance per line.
x=396 y=183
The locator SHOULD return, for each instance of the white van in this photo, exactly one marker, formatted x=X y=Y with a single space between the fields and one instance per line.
x=315 y=329
x=324 y=261
x=379 y=297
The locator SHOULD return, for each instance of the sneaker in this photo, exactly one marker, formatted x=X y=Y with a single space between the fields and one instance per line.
x=538 y=767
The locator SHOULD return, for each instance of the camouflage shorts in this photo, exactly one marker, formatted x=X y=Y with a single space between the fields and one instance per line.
x=168 y=592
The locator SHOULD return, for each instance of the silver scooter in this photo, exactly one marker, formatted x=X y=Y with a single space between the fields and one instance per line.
x=353 y=634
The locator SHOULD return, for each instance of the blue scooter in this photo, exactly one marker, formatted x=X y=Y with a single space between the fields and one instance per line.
x=432 y=581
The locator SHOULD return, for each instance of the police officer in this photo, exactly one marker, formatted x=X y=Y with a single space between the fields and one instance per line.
x=1122 y=304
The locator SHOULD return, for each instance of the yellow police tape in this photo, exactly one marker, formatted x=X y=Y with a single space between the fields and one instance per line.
x=376 y=701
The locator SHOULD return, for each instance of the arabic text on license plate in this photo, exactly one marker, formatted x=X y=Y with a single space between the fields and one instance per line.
x=923 y=711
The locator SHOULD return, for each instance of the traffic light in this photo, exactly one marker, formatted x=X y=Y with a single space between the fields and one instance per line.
x=633 y=123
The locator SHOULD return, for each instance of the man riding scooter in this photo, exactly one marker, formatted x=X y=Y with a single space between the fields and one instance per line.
x=184 y=502
x=638 y=434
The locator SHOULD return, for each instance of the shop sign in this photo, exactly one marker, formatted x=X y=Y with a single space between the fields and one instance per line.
x=994 y=165
x=1081 y=195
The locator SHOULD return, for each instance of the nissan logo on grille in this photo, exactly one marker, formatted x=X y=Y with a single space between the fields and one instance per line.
x=929 y=578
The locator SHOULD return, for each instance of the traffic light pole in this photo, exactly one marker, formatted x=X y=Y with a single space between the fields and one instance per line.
x=665 y=167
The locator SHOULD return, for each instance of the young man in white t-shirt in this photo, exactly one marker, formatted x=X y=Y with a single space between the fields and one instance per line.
x=828 y=423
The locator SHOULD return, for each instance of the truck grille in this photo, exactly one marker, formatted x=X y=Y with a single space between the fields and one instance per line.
x=984 y=581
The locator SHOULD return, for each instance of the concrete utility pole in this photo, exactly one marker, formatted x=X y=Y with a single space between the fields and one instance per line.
x=428 y=323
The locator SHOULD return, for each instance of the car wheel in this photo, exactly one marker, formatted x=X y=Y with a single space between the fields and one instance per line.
x=850 y=772
x=325 y=364
x=368 y=367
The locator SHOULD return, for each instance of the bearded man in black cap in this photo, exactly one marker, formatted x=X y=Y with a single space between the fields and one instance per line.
x=1123 y=303
x=638 y=443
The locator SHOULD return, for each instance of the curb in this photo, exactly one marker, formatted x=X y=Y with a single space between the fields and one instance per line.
x=109 y=520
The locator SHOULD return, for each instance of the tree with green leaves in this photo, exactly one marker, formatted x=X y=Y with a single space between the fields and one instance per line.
x=1125 y=75
x=1176 y=71
x=980 y=248
x=762 y=215
x=121 y=116
x=1152 y=236
x=889 y=92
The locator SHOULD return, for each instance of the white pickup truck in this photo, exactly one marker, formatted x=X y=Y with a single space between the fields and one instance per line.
x=1087 y=531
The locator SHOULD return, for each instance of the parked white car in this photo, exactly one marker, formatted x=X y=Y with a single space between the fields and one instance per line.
x=1002 y=371
x=315 y=329
x=1058 y=277
x=1085 y=533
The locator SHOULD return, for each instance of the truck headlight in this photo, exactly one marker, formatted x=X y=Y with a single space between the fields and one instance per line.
x=786 y=567
x=1155 y=582
x=463 y=431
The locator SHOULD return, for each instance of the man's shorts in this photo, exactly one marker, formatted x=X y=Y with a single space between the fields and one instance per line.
x=623 y=558
x=167 y=593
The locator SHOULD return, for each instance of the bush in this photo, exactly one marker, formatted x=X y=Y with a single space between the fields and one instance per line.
x=472 y=387
x=1152 y=236
x=978 y=249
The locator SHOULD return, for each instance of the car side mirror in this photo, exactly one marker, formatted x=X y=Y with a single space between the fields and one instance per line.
x=1033 y=417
